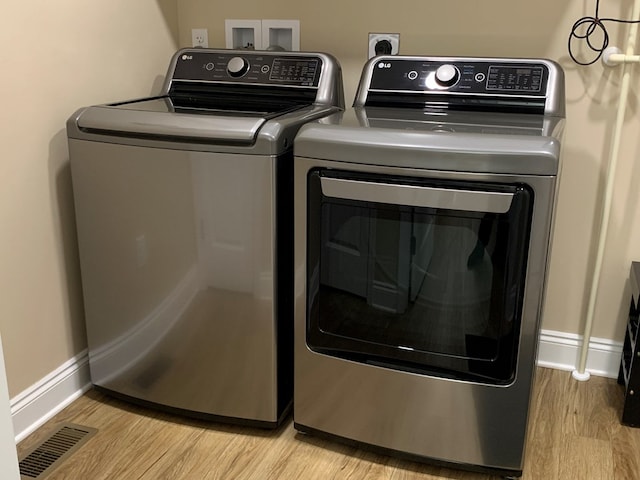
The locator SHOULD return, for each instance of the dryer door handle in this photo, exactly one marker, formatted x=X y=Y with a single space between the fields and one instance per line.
x=417 y=196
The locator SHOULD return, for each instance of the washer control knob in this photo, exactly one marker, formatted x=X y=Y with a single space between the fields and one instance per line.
x=237 y=66
x=447 y=75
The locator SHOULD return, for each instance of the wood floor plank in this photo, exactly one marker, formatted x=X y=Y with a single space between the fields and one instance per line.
x=626 y=453
x=363 y=465
x=574 y=432
x=174 y=462
x=545 y=425
x=588 y=458
x=282 y=453
x=245 y=455
x=592 y=408
x=418 y=471
x=304 y=456
x=202 y=459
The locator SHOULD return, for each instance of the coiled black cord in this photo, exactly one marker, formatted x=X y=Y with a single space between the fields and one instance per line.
x=590 y=26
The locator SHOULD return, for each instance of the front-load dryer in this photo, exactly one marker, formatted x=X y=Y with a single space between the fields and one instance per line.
x=422 y=228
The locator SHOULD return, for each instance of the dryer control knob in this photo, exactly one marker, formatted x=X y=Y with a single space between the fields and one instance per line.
x=237 y=66
x=447 y=75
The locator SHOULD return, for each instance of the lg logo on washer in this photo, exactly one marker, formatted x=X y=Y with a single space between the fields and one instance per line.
x=187 y=57
x=384 y=65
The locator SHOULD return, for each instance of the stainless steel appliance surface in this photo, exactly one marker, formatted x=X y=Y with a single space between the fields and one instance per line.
x=184 y=220
x=423 y=219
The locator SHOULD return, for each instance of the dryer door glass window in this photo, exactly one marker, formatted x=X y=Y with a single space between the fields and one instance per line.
x=414 y=274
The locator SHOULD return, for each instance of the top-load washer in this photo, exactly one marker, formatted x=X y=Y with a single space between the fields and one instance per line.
x=423 y=221
x=184 y=219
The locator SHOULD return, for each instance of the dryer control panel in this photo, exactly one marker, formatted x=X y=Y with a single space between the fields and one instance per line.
x=460 y=76
x=479 y=84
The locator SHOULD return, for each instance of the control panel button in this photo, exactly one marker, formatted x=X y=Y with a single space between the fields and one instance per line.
x=209 y=66
x=237 y=66
x=480 y=77
x=412 y=75
x=265 y=68
x=447 y=75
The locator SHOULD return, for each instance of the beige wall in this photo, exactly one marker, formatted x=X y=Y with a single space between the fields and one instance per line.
x=56 y=57
x=497 y=28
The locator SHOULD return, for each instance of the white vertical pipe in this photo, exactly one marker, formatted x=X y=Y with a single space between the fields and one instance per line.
x=581 y=373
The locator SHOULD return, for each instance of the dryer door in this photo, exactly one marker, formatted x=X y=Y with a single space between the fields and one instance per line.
x=418 y=274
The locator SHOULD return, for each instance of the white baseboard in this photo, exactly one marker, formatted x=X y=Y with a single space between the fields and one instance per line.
x=561 y=350
x=33 y=407
x=37 y=404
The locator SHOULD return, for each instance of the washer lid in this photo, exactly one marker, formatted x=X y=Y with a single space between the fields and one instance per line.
x=218 y=114
x=161 y=117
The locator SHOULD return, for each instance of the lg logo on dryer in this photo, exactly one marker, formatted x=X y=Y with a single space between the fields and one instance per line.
x=384 y=65
x=187 y=57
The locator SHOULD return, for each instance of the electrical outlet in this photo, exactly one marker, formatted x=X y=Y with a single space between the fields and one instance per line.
x=383 y=42
x=199 y=37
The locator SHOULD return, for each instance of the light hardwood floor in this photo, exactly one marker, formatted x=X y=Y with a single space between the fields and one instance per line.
x=574 y=433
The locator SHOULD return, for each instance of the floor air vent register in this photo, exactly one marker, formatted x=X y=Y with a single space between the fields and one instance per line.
x=52 y=451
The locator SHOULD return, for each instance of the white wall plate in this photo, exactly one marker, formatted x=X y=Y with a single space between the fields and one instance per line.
x=392 y=38
x=243 y=34
x=281 y=35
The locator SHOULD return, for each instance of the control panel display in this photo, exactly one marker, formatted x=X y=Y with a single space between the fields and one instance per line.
x=520 y=79
x=293 y=70
x=249 y=68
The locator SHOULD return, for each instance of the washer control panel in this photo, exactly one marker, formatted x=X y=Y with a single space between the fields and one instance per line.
x=249 y=68
x=462 y=76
